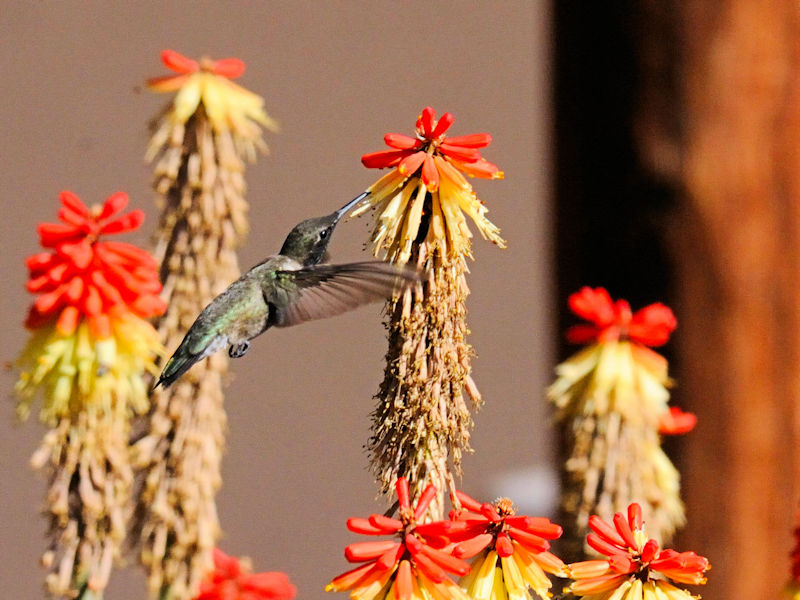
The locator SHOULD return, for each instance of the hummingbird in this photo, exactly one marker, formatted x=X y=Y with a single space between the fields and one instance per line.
x=286 y=289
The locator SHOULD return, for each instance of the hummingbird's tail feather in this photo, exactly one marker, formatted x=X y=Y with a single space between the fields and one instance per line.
x=182 y=360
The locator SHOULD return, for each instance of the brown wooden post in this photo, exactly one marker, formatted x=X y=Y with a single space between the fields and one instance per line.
x=736 y=242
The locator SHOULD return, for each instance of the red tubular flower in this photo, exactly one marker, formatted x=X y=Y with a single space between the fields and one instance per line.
x=631 y=556
x=611 y=321
x=676 y=422
x=83 y=277
x=410 y=154
x=230 y=580
x=411 y=558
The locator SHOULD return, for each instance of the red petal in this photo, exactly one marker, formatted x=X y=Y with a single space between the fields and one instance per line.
x=40 y=261
x=676 y=422
x=48 y=303
x=411 y=163
x=113 y=204
x=606 y=531
x=530 y=541
x=601 y=545
x=490 y=512
x=433 y=571
x=471 y=547
x=124 y=223
x=74 y=203
x=622 y=563
x=428 y=494
x=538 y=525
x=228 y=67
x=468 y=502
x=92 y=302
x=149 y=306
x=389 y=558
x=75 y=289
x=442 y=125
x=594 y=305
x=127 y=253
x=52 y=234
x=504 y=546
x=446 y=561
x=178 y=62
x=351 y=578
x=430 y=174
x=404 y=585
x=474 y=140
x=364 y=527
x=108 y=291
x=460 y=152
x=481 y=168
x=401 y=142
x=68 y=320
x=70 y=217
x=168 y=83
x=635 y=515
x=362 y=551
x=383 y=158
x=79 y=252
x=652 y=325
x=387 y=524
x=621 y=523
x=649 y=551
x=425 y=121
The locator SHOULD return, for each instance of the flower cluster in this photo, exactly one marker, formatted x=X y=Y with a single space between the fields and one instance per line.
x=494 y=531
x=412 y=566
x=612 y=396
x=208 y=82
x=416 y=565
x=231 y=579
x=90 y=337
x=635 y=568
x=426 y=194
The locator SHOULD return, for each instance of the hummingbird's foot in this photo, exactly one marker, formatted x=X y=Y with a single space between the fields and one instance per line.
x=238 y=350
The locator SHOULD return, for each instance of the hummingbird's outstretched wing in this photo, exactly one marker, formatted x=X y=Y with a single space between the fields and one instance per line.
x=321 y=291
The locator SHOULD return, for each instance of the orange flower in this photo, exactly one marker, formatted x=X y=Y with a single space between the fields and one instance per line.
x=676 y=422
x=429 y=164
x=231 y=580
x=633 y=562
x=410 y=567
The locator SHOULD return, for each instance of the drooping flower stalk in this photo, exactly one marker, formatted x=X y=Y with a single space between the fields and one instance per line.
x=612 y=400
x=633 y=568
x=201 y=143
x=422 y=421
x=89 y=353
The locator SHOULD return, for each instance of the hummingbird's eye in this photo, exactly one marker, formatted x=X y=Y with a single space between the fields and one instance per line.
x=323 y=234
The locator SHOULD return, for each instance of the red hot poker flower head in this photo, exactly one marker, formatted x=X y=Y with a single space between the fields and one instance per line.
x=496 y=526
x=411 y=556
x=83 y=277
x=230 y=580
x=631 y=552
x=431 y=151
x=676 y=422
x=611 y=321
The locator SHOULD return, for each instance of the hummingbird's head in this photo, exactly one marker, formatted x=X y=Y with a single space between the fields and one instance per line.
x=308 y=242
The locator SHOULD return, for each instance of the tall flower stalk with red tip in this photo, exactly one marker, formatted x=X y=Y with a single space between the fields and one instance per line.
x=201 y=143
x=633 y=567
x=90 y=351
x=412 y=566
x=511 y=552
x=422 y=422
x=612 y=400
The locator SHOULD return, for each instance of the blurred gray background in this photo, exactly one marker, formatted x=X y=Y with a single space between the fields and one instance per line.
x=337 y=76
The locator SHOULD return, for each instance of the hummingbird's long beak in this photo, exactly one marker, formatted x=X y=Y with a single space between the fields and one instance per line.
x=343 y=211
